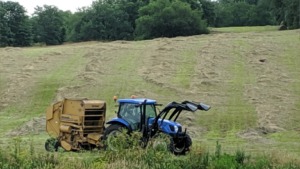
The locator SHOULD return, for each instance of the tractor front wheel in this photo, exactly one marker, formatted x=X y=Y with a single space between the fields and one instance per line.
x=180 y=148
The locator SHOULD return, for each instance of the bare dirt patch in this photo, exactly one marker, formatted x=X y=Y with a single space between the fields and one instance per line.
x=35 y=126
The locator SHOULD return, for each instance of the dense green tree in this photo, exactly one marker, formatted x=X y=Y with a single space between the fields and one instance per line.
x=278 y=10
x=206 y=7
x=74 y=22
x=105 y=20
x=261 y=14
x=131 y=7
x=67 y=15
x=243 y=13
x=223 y=15
x=139 y=19
x=287 y=12
x=209 y=13
x=83 y=27
x=14 y=24
x=165 y=18
x=195 y=4
x=111 y=21
x=292 y=13
x=49 y=25
x=4 y=26
x=240 y=11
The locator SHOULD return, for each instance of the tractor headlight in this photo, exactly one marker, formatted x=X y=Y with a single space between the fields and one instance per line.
x=175 y=129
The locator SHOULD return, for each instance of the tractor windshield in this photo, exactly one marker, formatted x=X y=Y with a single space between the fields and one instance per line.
x=132 y=113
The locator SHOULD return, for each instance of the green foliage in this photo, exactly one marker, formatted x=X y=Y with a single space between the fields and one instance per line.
x=240 y=157
x=105 y=20
x=165 y=18
x=131 y=7
x=286 y=12
x=262 y=14
x=48 y=25
x=242 y=13
x=138 y=19
x=18 y=155
x=14 y=24
x=257 y=12
x=218 y=150
x=291 y=11
x=209 y=13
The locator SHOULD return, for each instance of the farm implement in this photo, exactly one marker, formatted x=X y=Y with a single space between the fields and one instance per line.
x=76 y=124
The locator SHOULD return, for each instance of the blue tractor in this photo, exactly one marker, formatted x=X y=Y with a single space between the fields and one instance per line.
x=139 y=114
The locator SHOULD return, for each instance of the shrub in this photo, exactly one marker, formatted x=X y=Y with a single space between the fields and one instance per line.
x=166 y=18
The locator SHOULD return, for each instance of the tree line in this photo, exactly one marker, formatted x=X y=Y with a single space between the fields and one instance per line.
x=138 y=19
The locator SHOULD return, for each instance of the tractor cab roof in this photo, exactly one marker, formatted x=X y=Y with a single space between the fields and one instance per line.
x=137 y=101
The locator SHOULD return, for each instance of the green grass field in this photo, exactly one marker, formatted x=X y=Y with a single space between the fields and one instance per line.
x=249 y=75
x=244 y=29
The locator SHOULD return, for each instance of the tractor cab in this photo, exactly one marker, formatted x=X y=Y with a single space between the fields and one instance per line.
x=133 y=113
x=136 y=111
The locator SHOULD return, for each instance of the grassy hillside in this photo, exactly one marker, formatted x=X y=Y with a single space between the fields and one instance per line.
x=243 y=29
x=249 y=77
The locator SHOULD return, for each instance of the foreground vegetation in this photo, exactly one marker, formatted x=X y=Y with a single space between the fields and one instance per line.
x=26 y=157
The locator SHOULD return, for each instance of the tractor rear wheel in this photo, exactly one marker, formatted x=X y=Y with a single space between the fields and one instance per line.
x=115 y=137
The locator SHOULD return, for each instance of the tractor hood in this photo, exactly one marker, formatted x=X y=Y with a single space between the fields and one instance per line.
x=172 y=112
x=167 y=126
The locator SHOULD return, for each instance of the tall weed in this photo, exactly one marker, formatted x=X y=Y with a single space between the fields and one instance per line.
x=18 y=155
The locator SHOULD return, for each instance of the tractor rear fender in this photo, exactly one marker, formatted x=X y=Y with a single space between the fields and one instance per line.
x=120 y=122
